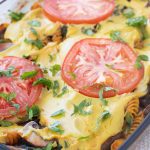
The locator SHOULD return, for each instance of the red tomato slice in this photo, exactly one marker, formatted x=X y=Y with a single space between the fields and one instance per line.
x=93 y=63
x=26 y=94
x=78 y=11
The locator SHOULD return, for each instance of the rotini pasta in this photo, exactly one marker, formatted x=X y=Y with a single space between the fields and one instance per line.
x=137 y=121
x=116 y=144
x=12 y=138
x=35 y=6
x=133 y=107
x=137 y=117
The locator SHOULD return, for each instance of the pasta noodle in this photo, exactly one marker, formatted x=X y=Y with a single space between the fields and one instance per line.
x=116 y=144
x=35 y=6
x=133 y=110
x=12 y=138
x=137 y=121
x=133 y=107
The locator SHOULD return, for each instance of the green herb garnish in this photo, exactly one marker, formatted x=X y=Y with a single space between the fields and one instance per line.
x=87 y=31
x=91 y=31
x=30 y=57
x=34 y=31
x=38 y=43
x=55 y=69
x=116 y=36
x=17 y=106
x=56 y=127
x=129 y=119
x=5 y=123
x=83 y=138
x=140 y=23
x=63 y=91
x=73 y=75
x=52 y=57
x=128 y=12
x=45 y=70
x=34 y=23
x=117 y=10
x=49 y=146
x=56 y=88
x=105 y=115
x=140 y=58
x=29 y=74
x=8 y=97
x=58 y=113
x=45 y=82
x=26 y=56
x=80 y=109
x=8 y=72
x=102 y=99
x=16 y=16
x=34 y=111
x=137 y=22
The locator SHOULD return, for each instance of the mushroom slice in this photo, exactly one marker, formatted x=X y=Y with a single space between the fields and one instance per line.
x=33 y=138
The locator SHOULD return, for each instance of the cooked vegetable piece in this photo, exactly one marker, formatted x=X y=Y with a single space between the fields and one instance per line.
x=78 y=12
x=16 y=94
x=100 y=63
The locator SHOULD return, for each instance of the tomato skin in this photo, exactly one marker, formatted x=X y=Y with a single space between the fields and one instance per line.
x=26 y=94
x=126 y=84
x=53 y=16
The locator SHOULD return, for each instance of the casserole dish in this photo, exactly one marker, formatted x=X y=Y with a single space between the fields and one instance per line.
x=39 y=34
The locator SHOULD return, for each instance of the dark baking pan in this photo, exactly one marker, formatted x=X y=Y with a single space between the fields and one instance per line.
x=136 y=134
x=144 y=102
x=127 y=143
x=125 y=146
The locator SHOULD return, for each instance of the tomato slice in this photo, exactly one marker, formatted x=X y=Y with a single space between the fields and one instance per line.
x=78 y=11
x=26 y=94
x=93 y=63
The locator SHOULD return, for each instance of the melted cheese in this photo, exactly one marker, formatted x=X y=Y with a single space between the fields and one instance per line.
x=76 y=126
